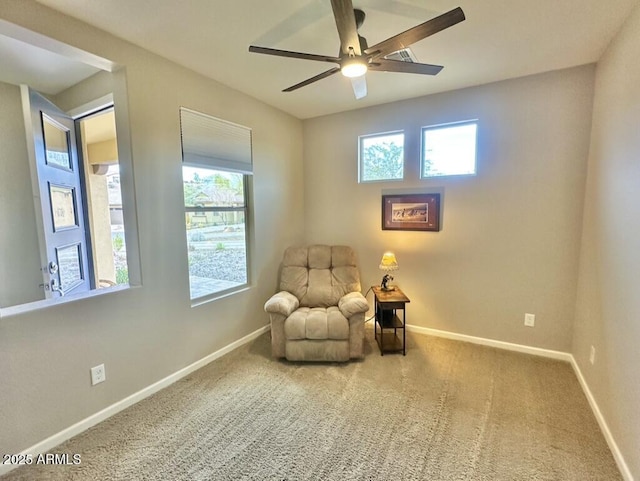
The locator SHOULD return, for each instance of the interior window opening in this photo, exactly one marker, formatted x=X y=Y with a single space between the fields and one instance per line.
x=64 y=215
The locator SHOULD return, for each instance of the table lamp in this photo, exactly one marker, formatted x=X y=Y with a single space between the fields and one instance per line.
x=388 y=264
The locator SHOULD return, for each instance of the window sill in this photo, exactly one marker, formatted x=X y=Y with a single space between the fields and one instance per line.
x=43 y=304
x=219 y=295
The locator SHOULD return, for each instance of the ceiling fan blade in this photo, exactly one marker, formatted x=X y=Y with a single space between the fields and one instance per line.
x=313 y=79
x=408 y=37
x=290 y=54
x=387 y=65
x=346 y=24
x=359 y=85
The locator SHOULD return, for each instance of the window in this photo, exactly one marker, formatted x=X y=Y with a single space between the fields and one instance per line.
x=215 y=175
x=381 y=157
x=449 y=149
x=216 y=211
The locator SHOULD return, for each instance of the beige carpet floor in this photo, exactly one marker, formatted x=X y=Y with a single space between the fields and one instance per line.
x=447 y=411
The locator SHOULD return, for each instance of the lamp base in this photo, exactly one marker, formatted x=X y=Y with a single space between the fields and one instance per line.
x=388 y=288
x=384 y=283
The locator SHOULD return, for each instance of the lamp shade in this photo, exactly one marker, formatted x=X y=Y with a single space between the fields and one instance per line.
x=388 y=262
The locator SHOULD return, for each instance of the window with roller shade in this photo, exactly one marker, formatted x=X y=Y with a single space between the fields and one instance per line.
x=216 y=173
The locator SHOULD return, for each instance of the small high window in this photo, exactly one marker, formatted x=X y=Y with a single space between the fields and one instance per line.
x=449 y=149
x=381 y=157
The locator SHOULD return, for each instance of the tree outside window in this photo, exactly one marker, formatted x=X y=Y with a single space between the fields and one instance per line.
x=382 y=157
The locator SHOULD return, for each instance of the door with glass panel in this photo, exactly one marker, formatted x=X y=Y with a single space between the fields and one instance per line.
x=66 y=268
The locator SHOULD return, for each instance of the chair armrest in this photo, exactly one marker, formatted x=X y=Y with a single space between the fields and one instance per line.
x=353 y=303
x=283 y=303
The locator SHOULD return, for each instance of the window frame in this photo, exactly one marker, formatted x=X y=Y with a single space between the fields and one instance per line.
x=423 y=130
x=361 y=169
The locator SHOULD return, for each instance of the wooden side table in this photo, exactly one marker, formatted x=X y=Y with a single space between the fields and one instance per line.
x=387 y=322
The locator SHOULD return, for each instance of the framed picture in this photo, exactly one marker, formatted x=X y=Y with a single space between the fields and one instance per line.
x=411 y=212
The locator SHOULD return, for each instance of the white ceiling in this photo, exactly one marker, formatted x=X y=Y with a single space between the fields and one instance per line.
x=45 y=71
x=499 y=39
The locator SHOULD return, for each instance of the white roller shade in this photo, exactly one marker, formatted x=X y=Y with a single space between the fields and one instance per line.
x=215 y=143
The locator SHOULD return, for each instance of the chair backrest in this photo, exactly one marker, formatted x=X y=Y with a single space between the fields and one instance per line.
x=319 y=275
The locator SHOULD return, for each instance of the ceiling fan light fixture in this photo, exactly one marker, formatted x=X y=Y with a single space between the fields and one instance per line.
x=353 y=67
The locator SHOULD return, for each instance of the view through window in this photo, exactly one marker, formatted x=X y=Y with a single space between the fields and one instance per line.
x=381 y=157
x=104 y=195
x=216 y=211
x=449 y=149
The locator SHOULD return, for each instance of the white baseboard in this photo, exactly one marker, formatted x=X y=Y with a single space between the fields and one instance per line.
x=604 y=427
x=563 y=356
x=53 y=441
x=536 y=351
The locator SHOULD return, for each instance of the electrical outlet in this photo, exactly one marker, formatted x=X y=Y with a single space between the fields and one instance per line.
x=98 y=374
x=592 y=355
x=529 y=320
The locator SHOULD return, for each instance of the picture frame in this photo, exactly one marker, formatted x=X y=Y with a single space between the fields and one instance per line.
x=419 y=212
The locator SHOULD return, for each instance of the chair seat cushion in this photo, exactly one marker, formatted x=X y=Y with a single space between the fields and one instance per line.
x=316 y=323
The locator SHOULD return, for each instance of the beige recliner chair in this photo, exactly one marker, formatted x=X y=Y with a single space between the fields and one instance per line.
x=318 y=315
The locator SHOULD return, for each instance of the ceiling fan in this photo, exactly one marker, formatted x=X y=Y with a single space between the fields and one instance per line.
x=356 y=57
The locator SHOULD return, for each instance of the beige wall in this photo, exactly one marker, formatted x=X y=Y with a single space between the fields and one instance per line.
x=146 y=333
x=510 y=235
x=105 y=152
x=509 y=242
x=608 y=305
x=20 y=273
